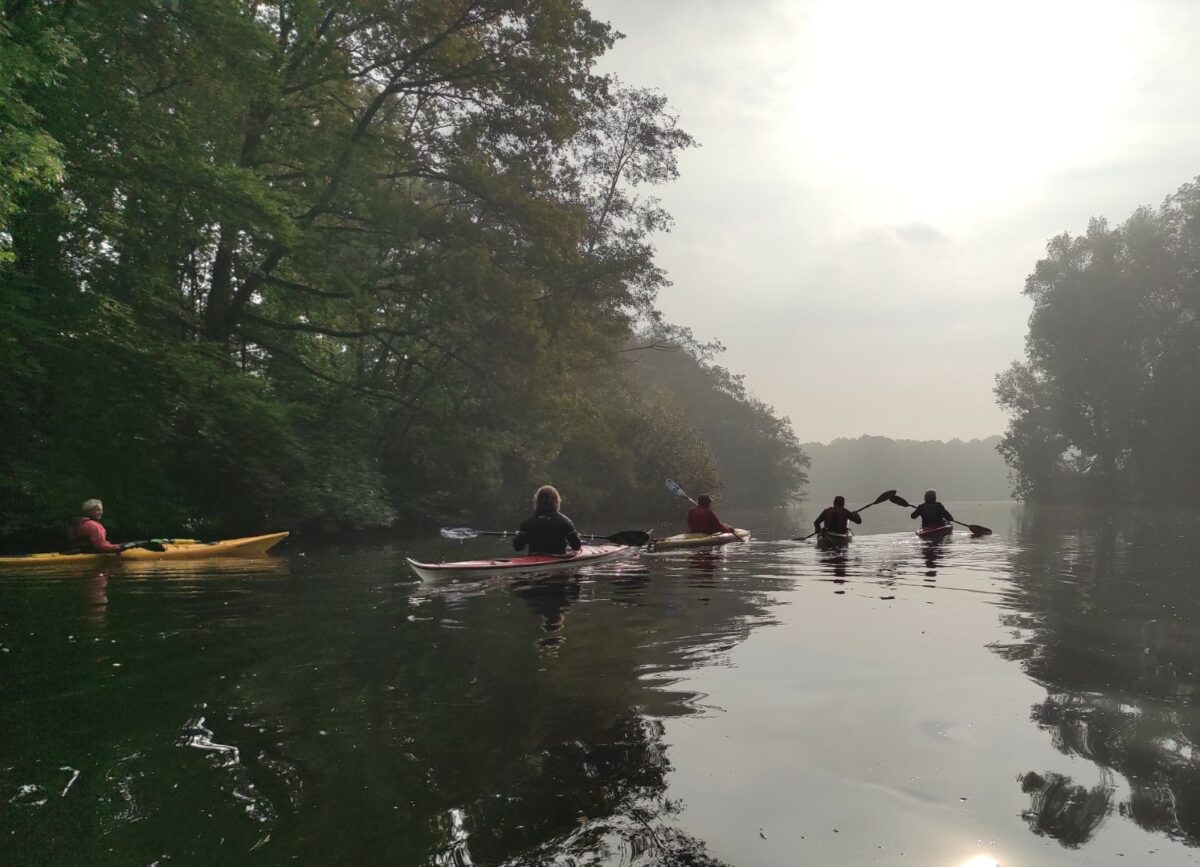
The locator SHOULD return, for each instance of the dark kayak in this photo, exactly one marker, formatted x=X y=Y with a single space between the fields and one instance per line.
x=832 y=539
x=936 y=531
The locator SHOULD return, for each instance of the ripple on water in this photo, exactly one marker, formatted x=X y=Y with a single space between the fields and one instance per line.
x=226 y=759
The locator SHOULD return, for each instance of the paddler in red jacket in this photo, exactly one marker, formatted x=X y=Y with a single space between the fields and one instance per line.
x=87 y=534
x=702 y=519
x=835 y=517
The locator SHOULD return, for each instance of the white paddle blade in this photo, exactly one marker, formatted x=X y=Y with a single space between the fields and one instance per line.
x=458 y=534
x=676 y=490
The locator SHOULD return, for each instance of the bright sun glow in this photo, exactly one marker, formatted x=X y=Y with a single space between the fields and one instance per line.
x=981 y=861
x=933 y=110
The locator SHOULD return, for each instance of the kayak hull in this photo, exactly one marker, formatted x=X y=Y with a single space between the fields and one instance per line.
x=683 y=541
x=589 y=555
x=248 y=546
x=938 y=531
x=830 y=539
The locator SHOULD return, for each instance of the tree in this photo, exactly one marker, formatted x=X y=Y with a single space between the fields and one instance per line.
x=1101 y=407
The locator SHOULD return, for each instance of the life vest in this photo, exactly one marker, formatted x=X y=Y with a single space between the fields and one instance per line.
x=77 y=540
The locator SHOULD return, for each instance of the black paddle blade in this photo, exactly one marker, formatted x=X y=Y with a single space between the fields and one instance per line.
x=900 y=501
x=882 y=498
x=635 y=538
x=156 y=546
x=978 y=530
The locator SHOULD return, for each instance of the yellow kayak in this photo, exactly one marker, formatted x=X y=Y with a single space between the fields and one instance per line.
x=698 y=540
x=176 y=549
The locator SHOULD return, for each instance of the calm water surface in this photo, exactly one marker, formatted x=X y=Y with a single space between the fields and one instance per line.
x=1027 y=699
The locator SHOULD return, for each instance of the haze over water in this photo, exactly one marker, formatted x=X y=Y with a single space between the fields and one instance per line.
x=1028 y=697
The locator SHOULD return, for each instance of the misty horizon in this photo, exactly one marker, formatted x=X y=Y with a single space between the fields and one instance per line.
x=843 y=218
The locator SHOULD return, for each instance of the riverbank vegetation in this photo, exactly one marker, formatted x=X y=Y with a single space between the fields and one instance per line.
x=315 y=264
x=1105 y=407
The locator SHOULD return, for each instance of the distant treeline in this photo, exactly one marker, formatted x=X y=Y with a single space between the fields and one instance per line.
x=863 y=468
x=337 y=265
x=1106 y=406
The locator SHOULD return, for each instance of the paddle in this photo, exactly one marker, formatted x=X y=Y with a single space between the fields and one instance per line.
x=679 y=492
x=886 y=495
x=976 y=529
x=634 y=538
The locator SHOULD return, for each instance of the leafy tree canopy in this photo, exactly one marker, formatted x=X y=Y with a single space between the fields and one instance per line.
x=1105 y=405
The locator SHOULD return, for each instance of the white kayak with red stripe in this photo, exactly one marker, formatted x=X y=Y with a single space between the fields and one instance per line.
x=588 y=555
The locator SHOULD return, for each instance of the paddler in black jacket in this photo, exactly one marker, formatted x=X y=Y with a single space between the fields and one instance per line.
x=834 y=517
x=931 y=512
x=547 y=530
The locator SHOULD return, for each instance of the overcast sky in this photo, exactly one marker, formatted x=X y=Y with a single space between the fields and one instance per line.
x=876 y=179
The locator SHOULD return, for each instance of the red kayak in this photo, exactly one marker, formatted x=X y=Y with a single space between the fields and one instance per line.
x=936 y=531
x=588 y=555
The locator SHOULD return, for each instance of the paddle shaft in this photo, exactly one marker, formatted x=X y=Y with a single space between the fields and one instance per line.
x=674 y=488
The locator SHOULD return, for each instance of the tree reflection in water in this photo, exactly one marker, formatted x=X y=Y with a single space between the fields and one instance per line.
x=1105 y=618
x=1068 y=813
x=626 y=817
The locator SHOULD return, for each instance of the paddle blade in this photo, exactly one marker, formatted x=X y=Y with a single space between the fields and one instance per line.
x=153 y=545
x=676 y=490
x=978 y=530
x=635 y=538
x=900 y=501
x=886 y=495
x=458 y=534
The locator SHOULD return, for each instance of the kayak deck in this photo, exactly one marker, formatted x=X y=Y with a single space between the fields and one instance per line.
x=182 y=549
x=937 y=531
x=588 y=555
x=698 y=540
x=830 y=539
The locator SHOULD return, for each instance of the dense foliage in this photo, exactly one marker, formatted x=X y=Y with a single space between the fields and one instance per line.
x=1105 y=406
x=334 y=264
x=860 y=469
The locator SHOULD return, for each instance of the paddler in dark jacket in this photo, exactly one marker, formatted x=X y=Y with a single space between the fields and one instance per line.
x=702 y=519
x=835 y=517
x=87 y=534
x=931 y=512
x=547 y=530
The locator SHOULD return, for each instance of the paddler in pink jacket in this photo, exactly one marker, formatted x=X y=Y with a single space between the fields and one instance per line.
x=87 y=534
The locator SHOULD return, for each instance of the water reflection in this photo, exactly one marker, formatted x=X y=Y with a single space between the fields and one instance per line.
x=633 y=714
x=428 y=718
x=834 y=561
x=1067 y=812
x=548 y=597
x=932 y=551
x=1106 y=620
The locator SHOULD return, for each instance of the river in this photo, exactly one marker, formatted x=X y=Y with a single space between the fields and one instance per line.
x=1027 y=698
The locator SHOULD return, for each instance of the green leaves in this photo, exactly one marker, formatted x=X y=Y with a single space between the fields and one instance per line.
x=328 y=263
x=1101 y=409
